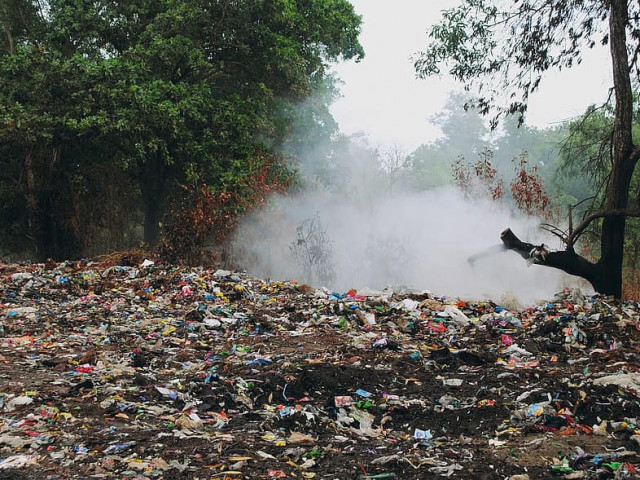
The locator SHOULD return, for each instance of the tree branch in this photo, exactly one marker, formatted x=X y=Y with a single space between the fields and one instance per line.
x=552 y=229
x=568 y=260
x=571 y=240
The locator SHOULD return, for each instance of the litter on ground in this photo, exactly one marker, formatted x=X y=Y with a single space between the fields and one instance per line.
x=153 y=371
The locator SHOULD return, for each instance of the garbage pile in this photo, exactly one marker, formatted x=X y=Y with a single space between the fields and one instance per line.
x=153 y=371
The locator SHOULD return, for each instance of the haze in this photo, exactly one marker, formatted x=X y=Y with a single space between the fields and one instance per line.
x=383 y=99
x=380 y=237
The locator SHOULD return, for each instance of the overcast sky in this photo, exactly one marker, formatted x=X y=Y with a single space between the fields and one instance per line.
x=382 y=97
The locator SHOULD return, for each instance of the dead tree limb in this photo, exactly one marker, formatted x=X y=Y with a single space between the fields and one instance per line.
x=486 y=253
x=566 y=260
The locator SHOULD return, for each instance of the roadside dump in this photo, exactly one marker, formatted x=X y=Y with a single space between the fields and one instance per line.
x=152 y=371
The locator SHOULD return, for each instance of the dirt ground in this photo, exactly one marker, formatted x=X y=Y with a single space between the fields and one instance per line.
x=113 y=370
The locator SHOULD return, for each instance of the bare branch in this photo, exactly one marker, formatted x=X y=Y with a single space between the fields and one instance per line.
x=568 y=260
x=579 y=230
x=553 y=230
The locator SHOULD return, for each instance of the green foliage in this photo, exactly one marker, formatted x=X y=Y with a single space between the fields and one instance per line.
x=586 y=149
x=584 y=168
x=156 y=94
x=503 y=50
x=464 y=134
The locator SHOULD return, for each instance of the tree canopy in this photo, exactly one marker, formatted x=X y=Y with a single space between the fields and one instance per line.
x=502 y=50
x=135 y=97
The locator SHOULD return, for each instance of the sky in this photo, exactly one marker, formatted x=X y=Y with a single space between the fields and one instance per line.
x=383 y=99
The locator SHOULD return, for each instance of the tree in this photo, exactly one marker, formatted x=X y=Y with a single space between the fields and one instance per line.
x=463 y=135
x=583 y=170
x=313 y=251
x=41 y=107
x=395 y=164
x=198 y=99
x=168 y=93
x=504 y=54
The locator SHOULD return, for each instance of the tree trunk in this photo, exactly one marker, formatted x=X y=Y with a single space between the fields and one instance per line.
x=10 y=40
x=47 y=224
x=49 y=246
x=612 y=246
x=623 y=157
x=154 y=195
x=32 y=202
x=152 y=215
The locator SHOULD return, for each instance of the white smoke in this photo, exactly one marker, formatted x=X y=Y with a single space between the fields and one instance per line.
x=381 y=238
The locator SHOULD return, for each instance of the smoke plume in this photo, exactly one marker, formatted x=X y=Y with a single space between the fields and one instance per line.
x=363 y=232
